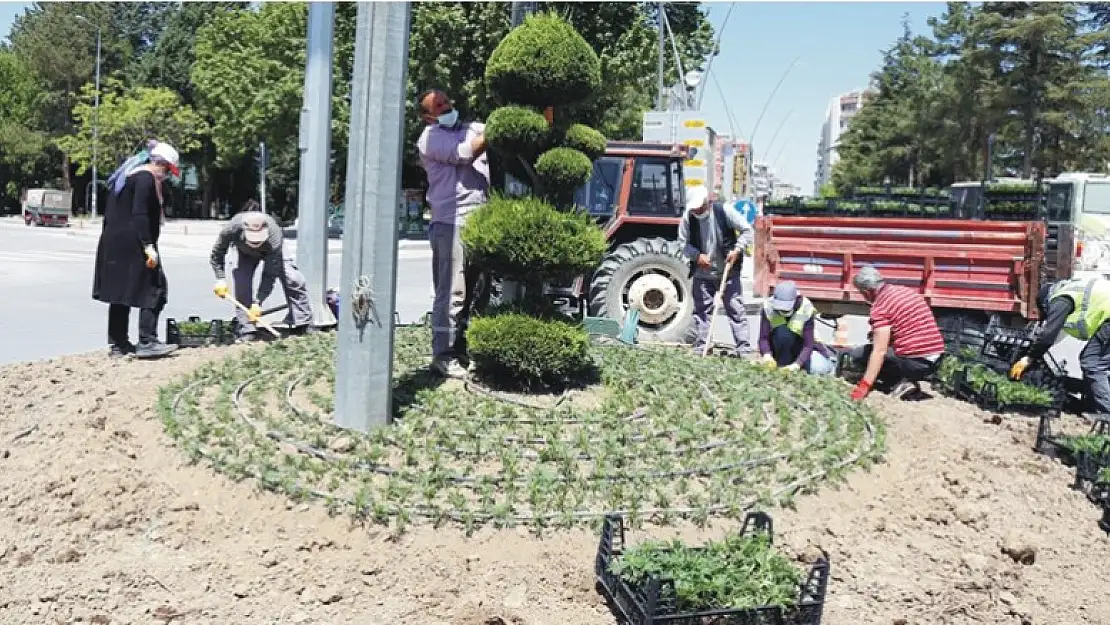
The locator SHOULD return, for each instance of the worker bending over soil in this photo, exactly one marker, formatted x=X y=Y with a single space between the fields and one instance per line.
x=710 y=238
x=906 y=344
x=786 y=333
x=258 y=239
x=1078 y=307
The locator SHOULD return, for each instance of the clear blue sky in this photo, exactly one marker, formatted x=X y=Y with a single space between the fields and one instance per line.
x=839 y=44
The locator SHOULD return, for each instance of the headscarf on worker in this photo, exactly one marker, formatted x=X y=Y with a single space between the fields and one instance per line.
x=154 y=150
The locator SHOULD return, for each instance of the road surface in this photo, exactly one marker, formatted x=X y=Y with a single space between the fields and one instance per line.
x=47 y=275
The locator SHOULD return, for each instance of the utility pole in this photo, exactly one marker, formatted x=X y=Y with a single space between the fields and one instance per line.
x=96 y=119
x=96 y=124
x=662 y=60
x=364 y=362
x=314 y=144
x=520 y=11
x=263 y=163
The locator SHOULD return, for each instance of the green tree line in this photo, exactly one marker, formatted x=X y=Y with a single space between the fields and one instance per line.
x=1029 y=78
x=216 y=78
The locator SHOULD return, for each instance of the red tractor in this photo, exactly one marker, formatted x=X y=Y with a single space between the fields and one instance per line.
x=637 y=195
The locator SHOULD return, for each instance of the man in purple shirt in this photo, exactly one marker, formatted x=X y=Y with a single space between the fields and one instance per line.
x=453 y=156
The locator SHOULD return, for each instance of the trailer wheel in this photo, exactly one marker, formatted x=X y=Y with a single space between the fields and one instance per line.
x=652 y=274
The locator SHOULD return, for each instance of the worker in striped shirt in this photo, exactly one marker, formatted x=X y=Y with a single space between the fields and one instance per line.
x=906 y=344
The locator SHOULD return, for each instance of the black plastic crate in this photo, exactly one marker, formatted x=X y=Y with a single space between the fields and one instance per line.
x=652 y=602
x=219 y=332
x=1049 y=442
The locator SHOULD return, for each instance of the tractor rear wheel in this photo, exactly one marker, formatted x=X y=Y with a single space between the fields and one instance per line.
x=652 y=275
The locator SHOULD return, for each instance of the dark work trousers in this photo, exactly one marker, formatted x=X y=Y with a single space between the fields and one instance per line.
x=895 y=368
x=119 y=322
x=1094 y=361
x=705 y=290
x=785 y=345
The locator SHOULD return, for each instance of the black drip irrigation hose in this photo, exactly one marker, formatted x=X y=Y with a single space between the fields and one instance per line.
x=470 y=481
x=578 y=515
x=431 y=512
x=636 y=415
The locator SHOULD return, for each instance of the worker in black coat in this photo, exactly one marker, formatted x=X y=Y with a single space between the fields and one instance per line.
x=129 y=270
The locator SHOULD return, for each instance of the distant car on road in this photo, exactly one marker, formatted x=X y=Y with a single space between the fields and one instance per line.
x=47 y=207
x=335 y=224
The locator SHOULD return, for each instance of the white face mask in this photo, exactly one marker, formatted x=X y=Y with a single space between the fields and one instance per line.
x=448 y=119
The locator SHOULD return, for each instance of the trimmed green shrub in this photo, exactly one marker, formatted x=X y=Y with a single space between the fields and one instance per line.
x=586 y=140
x=523 y=351
x=528 y=240
x=544 y=62
x=562 y=170
x=517 y=130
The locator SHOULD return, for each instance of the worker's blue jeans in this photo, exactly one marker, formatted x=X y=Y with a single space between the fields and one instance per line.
x=1094 y=361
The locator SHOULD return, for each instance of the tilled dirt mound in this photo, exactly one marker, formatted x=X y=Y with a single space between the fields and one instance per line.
x=103 y=521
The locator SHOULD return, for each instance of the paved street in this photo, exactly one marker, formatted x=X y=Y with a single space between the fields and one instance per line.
x=47 y=276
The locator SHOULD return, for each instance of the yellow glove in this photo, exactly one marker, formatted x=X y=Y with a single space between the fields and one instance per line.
x=769 y=361
x=220 y=289
x=791 y=367
x=151 y=256
x=750 y=250
x=254 y=314
x=1019 y=368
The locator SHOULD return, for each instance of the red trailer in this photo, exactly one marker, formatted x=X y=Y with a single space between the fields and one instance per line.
x=976 y=270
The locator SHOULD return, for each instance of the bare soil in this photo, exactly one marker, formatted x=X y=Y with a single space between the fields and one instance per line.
x=103 y=521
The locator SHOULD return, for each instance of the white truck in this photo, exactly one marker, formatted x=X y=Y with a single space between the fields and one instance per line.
x=47 y=207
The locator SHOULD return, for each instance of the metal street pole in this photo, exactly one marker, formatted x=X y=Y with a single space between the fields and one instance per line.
x=662 y=59
x=772 y=96
x=314 y=144
x=364 y=362
x=96 y=125
x=775 y=135
x=521 y=10
x=262 y=174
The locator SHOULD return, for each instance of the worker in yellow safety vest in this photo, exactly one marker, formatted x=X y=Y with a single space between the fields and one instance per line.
x=786 y=333
x=1080 y=308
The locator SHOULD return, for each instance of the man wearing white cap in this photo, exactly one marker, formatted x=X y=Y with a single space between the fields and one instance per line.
x=258 y=239
x=711 y=237
x=786 y=338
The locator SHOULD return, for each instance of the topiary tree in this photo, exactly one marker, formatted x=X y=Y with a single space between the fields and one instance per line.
x=540 y=66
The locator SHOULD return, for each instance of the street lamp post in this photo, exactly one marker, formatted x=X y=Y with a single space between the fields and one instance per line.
x=96 y=118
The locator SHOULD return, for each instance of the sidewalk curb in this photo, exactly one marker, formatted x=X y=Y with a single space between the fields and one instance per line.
x=93 y=230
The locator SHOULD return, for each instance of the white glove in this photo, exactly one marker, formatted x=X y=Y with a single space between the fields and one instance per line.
x=151 y=256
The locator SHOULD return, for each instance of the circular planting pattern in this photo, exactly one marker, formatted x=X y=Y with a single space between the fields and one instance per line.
x=664 y=435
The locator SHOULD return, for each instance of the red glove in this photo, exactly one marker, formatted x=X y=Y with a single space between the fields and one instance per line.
x=861 y=390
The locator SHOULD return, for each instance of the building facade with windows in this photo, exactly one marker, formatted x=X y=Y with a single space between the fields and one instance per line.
x=841 y=110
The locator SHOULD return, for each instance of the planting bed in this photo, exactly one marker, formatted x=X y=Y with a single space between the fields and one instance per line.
x=104 y=520
x=665 y=435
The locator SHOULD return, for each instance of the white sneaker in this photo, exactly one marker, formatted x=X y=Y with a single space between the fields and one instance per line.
x=448 y=367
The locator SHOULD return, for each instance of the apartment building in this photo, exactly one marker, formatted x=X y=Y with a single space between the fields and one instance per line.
x=840 y=112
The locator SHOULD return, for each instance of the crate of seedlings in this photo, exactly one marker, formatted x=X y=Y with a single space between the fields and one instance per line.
x=991 y=390
x=740 y=579
x=1066 y=446
x=194 y=332
x=1092 y=466
x=1104 y=522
